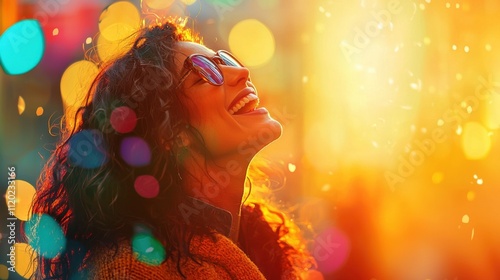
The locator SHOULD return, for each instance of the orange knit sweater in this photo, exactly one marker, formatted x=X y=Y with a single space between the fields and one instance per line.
x=221 y=259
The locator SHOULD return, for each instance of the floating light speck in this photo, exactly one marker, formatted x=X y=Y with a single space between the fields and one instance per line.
x=21 y=105
x=39 y=111
x=465 y=219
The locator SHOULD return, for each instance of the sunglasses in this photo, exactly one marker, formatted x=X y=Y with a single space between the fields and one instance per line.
x=208 y=67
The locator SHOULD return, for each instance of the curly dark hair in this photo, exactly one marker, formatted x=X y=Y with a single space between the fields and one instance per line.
x=88 y=188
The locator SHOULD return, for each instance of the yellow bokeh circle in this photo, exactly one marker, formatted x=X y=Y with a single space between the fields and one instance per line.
x=108 y=50
x=22 y=193
x=25 y=260
x=476 y=142
x=252 y=42
x=119 y=21
x=76 y=81
x=75 y=84
x=188 y=2
x=4 y=272
x=158 y=4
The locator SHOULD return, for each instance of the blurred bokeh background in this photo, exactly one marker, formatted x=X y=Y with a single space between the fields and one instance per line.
x=390 y=108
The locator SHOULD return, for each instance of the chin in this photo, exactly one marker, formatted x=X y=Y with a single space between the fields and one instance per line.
x=277 y=128
x=270 y=132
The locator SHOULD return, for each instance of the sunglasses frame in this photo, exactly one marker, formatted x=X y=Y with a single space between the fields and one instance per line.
x=216 y=60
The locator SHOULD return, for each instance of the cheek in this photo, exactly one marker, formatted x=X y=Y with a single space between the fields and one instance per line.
x=206 y=107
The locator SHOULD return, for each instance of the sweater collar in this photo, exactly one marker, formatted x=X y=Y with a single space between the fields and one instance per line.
x=203 y=213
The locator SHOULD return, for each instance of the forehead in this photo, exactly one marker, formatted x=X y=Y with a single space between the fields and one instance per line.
x=185 y=49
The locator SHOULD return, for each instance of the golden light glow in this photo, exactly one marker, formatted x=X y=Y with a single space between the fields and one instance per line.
x=21 y=105
x=25 y=260
x=162 y=4
x=476 y=142
x=320 y=155
x=255 y=49
x=188 y=2
x=437 y=177
x=119 y=21
x=491 y=113
x=471 y=195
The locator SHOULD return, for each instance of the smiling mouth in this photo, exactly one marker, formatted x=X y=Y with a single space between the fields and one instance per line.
x=247 y=104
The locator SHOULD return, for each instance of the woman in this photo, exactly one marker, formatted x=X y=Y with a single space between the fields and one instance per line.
x=150 y=182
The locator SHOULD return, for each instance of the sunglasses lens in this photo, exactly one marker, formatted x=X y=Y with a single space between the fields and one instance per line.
x=229 y=60
x=207 y=69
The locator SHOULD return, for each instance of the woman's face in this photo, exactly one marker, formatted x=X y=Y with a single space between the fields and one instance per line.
x=211 y=108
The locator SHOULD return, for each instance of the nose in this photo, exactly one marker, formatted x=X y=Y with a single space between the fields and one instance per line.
x=235 y=75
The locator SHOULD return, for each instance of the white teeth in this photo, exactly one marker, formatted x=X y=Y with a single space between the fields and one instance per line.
x=245 y=100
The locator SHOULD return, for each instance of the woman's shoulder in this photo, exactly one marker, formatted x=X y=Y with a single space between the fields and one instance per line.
x=272 y=242
x=214 y=258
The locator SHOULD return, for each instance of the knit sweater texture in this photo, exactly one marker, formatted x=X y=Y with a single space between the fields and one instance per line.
x=220 y=259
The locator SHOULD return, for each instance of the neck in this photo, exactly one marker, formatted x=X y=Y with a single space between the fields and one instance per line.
x=220 y=183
